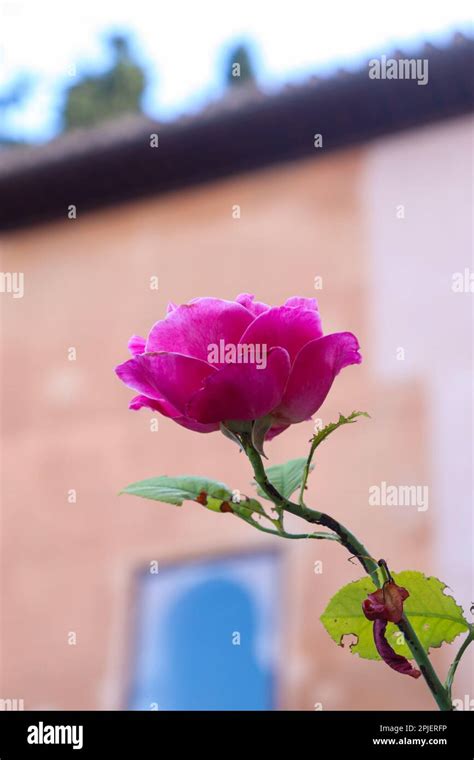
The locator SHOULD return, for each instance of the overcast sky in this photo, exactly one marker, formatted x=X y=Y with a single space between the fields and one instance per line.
x=181 y=43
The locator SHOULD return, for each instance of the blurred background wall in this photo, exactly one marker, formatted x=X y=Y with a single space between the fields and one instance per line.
x=71 y=566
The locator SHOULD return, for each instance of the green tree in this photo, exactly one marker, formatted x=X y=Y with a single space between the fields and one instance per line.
x=239 y=68
x=117 y=91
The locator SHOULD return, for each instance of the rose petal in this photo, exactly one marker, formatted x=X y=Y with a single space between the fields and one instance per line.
x=136 y=345
x=388 y=655
x=313 y=373
x=386 y=603
x=302 y=303
x=169 y=376
x=192 y=328
x=373 y=607
x=286 y=327
x=157 y=405
x=198 y=427
x=393 y=597
x=167 y=410
x=274 y=431
x=241 y=391
x=254 y=307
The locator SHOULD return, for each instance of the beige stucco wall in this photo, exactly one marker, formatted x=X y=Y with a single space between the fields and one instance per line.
x=69 y=567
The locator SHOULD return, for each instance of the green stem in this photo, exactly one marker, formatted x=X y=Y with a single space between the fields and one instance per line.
x=358 y=550
x=457 y=660
x=346 y=538
x=440 y=694
x=284 y=534
x=318 y=438
x=306 y=471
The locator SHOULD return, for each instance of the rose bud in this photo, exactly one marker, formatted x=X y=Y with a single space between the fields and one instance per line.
x=386 y=603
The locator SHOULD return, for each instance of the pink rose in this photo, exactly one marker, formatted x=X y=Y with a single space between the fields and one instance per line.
x=212 y=361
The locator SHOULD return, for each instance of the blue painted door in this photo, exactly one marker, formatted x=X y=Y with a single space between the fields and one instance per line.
x=207 y=636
